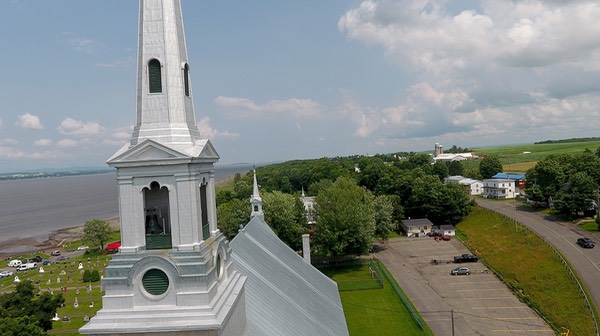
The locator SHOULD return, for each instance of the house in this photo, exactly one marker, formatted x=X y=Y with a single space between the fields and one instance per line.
x=472 y=187
x=444 y=230
x=416 y=227
x=518 y=178
x=499 y=188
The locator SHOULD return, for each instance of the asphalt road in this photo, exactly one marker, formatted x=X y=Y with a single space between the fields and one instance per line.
x=561 y=235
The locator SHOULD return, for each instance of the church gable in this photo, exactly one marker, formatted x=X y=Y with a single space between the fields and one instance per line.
x=148 y=150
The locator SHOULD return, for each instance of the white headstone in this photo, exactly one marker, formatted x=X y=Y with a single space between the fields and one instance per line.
x=17 y=279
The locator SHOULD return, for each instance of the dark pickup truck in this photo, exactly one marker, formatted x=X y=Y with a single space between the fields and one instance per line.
x=465 y=258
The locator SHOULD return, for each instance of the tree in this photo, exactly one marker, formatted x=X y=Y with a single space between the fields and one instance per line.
x=455 y=168
x=231 y=215
x=345 y=219
x=577 y=195
x=440 y=169
x=489 y=166
x=282 y=214
x=24 y=308
x=384 y=221
x=96 y=232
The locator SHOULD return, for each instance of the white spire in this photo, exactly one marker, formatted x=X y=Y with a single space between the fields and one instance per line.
x=256 y=200
x=165 y=110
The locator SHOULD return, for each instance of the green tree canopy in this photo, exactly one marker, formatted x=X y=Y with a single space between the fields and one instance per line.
x=345 y=219
x=25 y=312
x=577 y=195
x=489 y=166
x=384 y=216
x=440 y=169
x=96 y=232
x=286 y=217
x=231 y=215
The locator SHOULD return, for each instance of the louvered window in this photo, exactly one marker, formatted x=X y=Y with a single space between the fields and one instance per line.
x=186 y=79
x=154 y=76
x=155 y=282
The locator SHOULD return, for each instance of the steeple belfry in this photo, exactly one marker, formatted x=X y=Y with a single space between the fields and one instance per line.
x=165 y=109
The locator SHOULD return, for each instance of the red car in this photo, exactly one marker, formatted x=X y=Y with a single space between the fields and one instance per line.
x=446 y=237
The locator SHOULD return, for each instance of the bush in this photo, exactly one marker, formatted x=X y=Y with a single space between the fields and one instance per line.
x=95 y=276
x=87 y=275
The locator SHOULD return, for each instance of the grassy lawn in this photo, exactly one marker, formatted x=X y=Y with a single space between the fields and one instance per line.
x=589 y=226
x=530 y=266
x=374 y=311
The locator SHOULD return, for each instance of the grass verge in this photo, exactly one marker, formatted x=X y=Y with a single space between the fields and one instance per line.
x=530 y=267
x=374 y=311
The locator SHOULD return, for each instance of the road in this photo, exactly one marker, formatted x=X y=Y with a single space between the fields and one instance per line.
x=561 y=235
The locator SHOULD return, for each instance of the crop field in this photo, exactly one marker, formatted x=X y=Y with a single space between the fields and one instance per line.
x=532 y=152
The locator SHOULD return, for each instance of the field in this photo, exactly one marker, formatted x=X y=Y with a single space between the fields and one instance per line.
x=374 y=311
x=530 y=267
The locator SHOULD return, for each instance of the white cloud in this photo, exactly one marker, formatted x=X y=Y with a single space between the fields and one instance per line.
x=506 y=66
x=9 y=142
x=118 y=137
x=43 y=142
x=208 y=132
x=83 y=44
x=74 y=127
x=242 y=108
x=10 y=153
x=29 y=121
x=66 y=143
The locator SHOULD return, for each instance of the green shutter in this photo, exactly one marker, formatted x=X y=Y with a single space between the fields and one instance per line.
x=155 y=282
x=154 y=76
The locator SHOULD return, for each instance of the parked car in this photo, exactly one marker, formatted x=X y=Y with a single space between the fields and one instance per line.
x=14 y=263
x=446 y=237
x=55 y=253
x=47 y=262
x=82 y=248
x=61 y=258
x=585 y=242
x=5 y=274
x=35 y=259
x=26 y=267
x=461 y=271
x=465 y=258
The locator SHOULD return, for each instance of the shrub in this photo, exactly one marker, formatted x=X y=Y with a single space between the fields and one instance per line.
x=87 y=275
x=95 y=276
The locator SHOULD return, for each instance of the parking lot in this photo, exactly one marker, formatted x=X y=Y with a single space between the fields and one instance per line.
x=477 y=304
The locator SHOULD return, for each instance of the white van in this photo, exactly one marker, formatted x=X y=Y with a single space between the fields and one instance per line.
x=14 y=263
x=26 y=267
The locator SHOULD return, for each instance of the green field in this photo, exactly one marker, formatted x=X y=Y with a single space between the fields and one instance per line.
x=532 y=152
x=530 y=267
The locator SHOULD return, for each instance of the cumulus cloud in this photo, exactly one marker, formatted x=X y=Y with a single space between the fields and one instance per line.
x=66 y=143
x=9 y=142
x=497 y=65
x=82 y=44
x=208 y=132
x=74 y=127
x=10 y=153
x=43 y=142
x=29 y=121
x=242 y=108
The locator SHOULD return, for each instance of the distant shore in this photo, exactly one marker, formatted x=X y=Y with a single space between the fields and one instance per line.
x=42 y=214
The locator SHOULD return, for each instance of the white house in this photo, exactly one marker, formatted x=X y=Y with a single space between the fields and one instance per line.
x=499 y=188
x=445 y=230
x=416 y=227
x=473 y=187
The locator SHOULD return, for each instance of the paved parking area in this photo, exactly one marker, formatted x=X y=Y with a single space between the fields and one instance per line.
x=477 y=304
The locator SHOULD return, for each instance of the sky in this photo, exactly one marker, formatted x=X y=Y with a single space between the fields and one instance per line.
x=282 y=80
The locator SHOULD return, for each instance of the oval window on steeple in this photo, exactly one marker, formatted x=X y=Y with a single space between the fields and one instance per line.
x=154 y=76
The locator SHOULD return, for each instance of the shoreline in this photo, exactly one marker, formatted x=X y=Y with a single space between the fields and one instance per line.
x=46 y=241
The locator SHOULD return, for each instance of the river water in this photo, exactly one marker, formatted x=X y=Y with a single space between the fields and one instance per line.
x=35 y=208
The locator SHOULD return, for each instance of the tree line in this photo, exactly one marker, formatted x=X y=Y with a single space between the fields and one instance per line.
x=357 y=199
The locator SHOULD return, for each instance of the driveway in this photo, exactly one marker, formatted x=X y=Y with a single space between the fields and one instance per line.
x=563 y=236
x=477 y=304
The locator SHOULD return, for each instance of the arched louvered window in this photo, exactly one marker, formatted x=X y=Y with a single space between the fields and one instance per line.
x=186 y=79
x=154 y=76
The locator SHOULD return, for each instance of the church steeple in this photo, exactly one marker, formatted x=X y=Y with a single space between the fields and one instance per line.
x=165 y=110
x=256 y=200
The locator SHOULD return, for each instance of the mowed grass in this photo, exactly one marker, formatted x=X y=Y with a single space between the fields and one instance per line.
x=374 y=311
x=532 y=152
x=530 y=266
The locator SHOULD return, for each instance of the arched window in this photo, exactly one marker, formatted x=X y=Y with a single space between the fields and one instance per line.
x=154 y=76
x=186 y=79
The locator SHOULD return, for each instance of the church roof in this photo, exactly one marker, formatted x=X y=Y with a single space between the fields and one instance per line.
x=285 y=295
